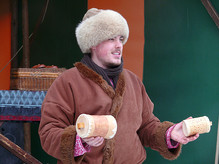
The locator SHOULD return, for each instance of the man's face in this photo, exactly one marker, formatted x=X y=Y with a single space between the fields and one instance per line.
x=108 y=54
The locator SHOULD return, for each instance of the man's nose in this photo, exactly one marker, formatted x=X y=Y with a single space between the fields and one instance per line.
x=118 y=43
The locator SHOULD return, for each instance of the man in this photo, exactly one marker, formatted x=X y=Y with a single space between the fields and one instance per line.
x=99 y=85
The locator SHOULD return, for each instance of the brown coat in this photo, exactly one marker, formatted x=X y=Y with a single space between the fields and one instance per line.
x=81 y=90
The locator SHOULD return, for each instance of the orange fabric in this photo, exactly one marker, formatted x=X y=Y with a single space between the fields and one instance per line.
x=5 y=46
x=133 y=11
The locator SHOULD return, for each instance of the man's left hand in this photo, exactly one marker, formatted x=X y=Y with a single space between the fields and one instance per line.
x=178 y=135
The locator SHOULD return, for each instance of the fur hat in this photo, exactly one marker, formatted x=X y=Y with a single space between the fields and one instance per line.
x=98 y=26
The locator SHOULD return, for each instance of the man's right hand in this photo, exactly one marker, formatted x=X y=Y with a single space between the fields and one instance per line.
x=93 y=141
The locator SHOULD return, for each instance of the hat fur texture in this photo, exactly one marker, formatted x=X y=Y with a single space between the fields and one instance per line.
x=98 y=26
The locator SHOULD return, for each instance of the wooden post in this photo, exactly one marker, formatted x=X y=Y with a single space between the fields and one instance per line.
x=27 y=137
x=14 y=32
x=17 y=151
x=217 y=145
x=26 y=64
x=25 y=29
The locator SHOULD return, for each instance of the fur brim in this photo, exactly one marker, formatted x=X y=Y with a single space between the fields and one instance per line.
x=100 y=27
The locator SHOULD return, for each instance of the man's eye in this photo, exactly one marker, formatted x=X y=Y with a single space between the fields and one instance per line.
x=122 y=39
x=111 y=39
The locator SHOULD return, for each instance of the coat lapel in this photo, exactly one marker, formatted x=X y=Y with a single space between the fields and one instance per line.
x=92 y=75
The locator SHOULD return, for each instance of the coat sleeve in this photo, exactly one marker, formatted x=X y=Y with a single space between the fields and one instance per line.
x=152 y=132
x=160 y=142
x=56 y=130
x=67 y=143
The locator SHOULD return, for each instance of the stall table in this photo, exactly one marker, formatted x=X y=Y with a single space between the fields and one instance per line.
x=20 y=105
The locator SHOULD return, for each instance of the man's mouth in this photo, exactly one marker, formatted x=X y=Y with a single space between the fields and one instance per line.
x=116 y=53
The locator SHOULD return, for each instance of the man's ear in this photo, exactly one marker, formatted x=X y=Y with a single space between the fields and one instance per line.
x=92 y=49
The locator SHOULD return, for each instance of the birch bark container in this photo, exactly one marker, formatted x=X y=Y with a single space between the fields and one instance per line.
x=196 y=125
x=96 y=125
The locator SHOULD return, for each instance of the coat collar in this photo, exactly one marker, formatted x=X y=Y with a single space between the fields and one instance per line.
x=98 y=79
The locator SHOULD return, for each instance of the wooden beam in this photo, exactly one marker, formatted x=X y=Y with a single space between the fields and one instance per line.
x=17 y=151
x=211 y=11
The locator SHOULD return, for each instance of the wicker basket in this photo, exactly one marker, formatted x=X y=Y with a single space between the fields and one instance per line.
x=34 y=79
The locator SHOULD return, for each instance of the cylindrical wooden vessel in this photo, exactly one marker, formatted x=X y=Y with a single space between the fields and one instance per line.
x=96 y=125
x=196 y=125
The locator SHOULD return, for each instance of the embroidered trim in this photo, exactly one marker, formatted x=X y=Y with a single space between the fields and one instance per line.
x=79 y=148
x=173 y=144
